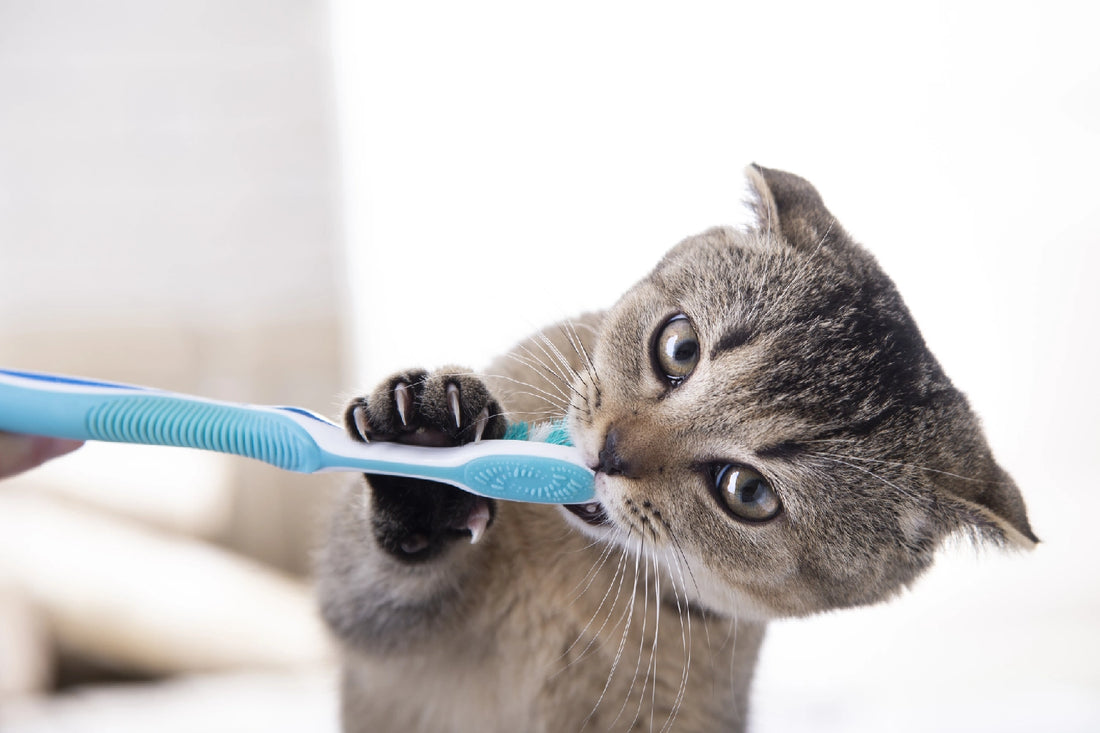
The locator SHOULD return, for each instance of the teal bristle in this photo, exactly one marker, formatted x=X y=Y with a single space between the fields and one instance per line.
x=552 y=432
x=558 y=434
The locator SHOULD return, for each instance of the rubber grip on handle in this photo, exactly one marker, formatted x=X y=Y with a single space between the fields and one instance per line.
x=164 y=420
x=87 y=410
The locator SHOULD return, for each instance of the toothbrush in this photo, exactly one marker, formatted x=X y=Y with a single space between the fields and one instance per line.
x=519 y=468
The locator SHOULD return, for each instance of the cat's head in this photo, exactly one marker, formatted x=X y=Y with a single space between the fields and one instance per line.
x=768 y=423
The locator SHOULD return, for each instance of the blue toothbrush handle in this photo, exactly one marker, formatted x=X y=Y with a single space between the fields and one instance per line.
x=287 y=437
x=80 y=409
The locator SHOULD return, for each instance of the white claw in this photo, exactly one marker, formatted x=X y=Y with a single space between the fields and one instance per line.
x=453 y=401
x=478 y=521
x=402 y=399
x=480 y=423
x=359 y=415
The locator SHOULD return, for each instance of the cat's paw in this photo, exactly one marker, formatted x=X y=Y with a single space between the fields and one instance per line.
x=412 y=518
x=442 y=408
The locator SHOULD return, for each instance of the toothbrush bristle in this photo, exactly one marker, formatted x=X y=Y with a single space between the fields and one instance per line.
x=548 y=432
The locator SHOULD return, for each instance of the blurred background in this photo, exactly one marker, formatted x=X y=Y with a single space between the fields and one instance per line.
x=283 y=201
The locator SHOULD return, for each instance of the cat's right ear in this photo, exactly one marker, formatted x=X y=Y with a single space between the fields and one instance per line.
x=790 y=206
x=760 y=200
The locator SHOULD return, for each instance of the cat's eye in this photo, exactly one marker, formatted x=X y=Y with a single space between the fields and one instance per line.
x=676 y=349
x=746 y=493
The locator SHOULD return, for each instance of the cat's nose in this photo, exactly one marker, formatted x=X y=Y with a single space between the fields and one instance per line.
x=612 y=462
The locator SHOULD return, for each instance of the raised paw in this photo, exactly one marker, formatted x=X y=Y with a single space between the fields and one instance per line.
x=446 y=407
x=413 y=518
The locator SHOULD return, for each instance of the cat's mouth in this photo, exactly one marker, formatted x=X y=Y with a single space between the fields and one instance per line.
x=591 y=513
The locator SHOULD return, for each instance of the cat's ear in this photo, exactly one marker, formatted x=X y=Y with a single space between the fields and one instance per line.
x=991 y=510
x=984 y=524
x=790 y=206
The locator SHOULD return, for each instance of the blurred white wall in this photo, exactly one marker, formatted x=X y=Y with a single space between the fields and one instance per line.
x=165 y=161
x=507 y=165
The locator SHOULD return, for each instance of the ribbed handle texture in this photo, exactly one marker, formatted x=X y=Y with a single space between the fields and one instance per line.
x=162 y=420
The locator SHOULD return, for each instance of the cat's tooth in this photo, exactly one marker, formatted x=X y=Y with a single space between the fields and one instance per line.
x=453 y=401
x=478 y=521
x=359 y=415
x=480 y=424
x=403 y=399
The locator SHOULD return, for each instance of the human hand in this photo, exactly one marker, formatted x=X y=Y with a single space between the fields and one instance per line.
x=20 y=453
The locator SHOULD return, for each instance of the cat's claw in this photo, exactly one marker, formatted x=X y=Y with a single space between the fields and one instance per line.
x=478 y=521
x=480 y=423
x=403 y=400
x=453 y=403
x=362 y=422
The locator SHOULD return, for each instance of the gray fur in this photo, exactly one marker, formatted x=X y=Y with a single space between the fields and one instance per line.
x=811 y=371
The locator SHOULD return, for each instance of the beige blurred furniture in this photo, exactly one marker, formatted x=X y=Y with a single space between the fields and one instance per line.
x=168 y=217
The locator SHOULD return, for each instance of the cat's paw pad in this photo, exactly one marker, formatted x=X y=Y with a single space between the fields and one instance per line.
x=442 y=408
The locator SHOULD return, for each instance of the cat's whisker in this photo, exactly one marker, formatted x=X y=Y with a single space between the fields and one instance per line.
x=539 y=392
x=480 y=423
x=570 y=330
x=555 y=353
x=620 y=575
x=567 y=373
x=548 y=414
x=685 y=639
x=678 y=561
x=547 y=363
x=651 y=672
x=536 y=363
x=903 y=491
x=586 y=375
x=731 y=639
x=554 y=379
x=643 y=553
x=901 y=464
x=628 y=614
x=559 y=402
x=593 y=572
x=587 y=372
x=684 y=563
x=590 y=374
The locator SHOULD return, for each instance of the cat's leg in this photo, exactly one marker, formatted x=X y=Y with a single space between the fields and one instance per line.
x=401 y=553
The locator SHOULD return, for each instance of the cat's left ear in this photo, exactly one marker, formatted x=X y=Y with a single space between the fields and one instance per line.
x=1009 y=529
x=788 y=205
x=982 y=498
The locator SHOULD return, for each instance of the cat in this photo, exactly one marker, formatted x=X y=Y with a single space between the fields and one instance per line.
x=771 y=438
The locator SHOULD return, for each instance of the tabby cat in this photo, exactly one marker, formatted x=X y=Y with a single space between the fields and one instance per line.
x=771 y=438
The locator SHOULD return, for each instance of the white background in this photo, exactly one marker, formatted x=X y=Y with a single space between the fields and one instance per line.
x=508 y=165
